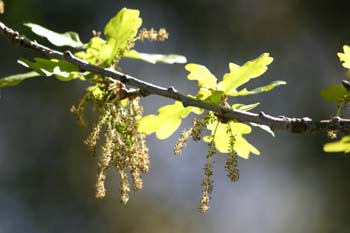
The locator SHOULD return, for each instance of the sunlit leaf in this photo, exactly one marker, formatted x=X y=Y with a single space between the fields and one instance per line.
x=62 y=70
x=342 y=145
x=201 y=74
x=156 y=58
x=258 y=90
x=92 y=53
x=14 y=80
x=59 y=39
x=210 y=96
x=222 y=138
x=334 y=93
x=167 y=121
x=244 y=107
x=240 y=75
x=119 y=31
x=96 y=92
x=345 y=57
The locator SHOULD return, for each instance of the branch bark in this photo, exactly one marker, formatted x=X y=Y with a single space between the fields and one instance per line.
x=294 y=125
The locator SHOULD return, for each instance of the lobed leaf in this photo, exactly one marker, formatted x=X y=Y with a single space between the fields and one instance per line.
x=14 y=80
x=258 y=90
x=167 y=121
x=345 y=57
x=92 y=53
x=156 y=58
x=222 y=138
x=240 y=75
x=210 y=96
x=119 y=31
x=334 y=93
x=244 y=107
x=70 y=39
x=201 y=74
x=62 y=70
x=343 y=145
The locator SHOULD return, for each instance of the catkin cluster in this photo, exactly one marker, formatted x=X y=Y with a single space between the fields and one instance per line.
x=231 y=165
x=153 y=35
x=116 y=143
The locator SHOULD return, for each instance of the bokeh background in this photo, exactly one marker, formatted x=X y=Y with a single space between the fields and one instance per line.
x=47 y=180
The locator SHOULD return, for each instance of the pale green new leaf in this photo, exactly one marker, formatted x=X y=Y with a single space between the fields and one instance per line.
x=342 y=145
x=345 y=57
x=156 y=58
x=334 y=93
x=222 y=138
x=92 y=53
x=258 y=90
x=240 y=75
x=201 y=74
x=119 y=31
x=14 y=80
x=167 y=121
x=244 y=107
x=210 y=96
x=59 y=39
x=62 y=70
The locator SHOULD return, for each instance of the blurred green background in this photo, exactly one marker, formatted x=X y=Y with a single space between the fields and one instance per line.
x=47 y=180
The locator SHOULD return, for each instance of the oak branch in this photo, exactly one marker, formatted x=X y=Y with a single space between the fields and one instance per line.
x=294 y=125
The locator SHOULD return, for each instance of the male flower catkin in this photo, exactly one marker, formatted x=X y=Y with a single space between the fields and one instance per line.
x=121 y=147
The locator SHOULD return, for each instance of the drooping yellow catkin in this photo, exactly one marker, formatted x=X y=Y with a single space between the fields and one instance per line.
x=231 y=165
x=100 y=184
x=181 y=142
x=80 y=110
x=204 y=203
x=197 y=129
x=124 y=147
x=207 y=184
x=124 y=187
x=136 y=179
x=94 y=136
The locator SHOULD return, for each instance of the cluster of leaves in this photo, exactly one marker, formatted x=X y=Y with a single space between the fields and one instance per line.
x=339 y=94
x=122 y=146
x=225 y=136
x=120 y=114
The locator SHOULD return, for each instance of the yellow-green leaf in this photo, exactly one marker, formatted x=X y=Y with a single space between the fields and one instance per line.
x=201 y=74
x=62 y=70
x=343 y=145
x=258 y=90
x=167 y=121
x=244 y=107
x=14 y=80
x=59 y=39
x=240 y=75
x=92 y=53
x=119 y=31
x=222 y=138
x=334 y=93
x=345 y=57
